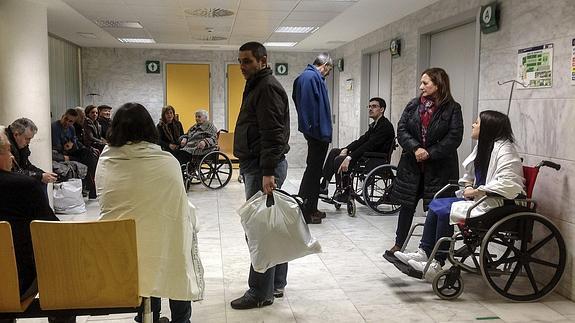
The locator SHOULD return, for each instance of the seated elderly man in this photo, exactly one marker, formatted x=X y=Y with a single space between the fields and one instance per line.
x=378 y=138
x=22 y=200
x=200 y=138
x=19 y=133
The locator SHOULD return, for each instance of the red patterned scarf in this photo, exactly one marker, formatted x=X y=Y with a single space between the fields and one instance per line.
x=427 y=108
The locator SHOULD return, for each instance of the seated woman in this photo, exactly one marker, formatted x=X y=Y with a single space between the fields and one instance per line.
x=494 y=166
x=131 y=172
x=170 y=130
x=92 y=129
x=200 y=139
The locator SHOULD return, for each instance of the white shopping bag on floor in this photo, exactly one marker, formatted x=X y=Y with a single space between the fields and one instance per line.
x=276 y=233
x=68 y=197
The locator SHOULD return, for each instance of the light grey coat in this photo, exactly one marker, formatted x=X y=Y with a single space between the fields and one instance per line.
x=504 y=177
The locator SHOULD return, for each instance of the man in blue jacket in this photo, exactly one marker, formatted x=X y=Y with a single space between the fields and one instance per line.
x=314 y=121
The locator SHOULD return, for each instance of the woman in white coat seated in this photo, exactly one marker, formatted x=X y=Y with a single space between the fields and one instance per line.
x=494 y=166
x=137 y=180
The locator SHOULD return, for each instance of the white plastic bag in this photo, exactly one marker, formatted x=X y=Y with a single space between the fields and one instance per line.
x=68 y=197
x=275 y=234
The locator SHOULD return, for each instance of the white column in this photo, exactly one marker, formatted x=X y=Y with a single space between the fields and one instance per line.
x=24 y=72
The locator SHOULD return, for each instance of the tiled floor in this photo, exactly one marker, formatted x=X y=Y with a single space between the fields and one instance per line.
x=348 y=282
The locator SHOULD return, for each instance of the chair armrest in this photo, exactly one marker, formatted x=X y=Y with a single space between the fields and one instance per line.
x=445 y=188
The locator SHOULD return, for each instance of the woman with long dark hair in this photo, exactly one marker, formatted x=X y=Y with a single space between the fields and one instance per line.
x=493 y=166
x=137 y=180
x=429 y=132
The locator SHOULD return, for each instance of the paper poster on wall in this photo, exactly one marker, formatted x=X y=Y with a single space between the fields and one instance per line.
x=573 y=61
x=535 y=66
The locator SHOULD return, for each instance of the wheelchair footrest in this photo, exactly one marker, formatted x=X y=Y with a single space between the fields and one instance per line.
x=406 y=269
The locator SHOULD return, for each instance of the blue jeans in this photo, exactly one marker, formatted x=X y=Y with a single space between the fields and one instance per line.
x=436 y=226
x=262 y=285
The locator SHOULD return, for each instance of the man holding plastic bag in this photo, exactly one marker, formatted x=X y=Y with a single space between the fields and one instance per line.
x=260 y=143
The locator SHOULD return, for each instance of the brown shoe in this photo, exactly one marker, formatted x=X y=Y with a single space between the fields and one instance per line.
x=319 y=214
x=391 y=252
x=313 y=219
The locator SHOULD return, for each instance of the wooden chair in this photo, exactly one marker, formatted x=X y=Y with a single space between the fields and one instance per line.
x=86 y=265
x=9 y=291
x=226 y=144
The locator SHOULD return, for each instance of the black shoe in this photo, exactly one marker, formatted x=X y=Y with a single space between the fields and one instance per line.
x=278 y=292
x=247 y=302
x=320 y=214
x=341 y=197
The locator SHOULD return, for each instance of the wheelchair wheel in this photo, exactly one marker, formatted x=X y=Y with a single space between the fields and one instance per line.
x=523 y=257
x=448 y=284
x=357 y=186
x=377 y=189
x=351 y=208
x=215 y=170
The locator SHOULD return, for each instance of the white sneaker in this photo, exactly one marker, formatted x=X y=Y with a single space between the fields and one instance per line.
x=419 y=255
x=432 y=271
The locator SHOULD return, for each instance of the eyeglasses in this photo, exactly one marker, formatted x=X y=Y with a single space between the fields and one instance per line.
x=373 y=106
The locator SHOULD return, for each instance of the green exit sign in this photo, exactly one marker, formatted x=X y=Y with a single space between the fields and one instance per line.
x=281 y=68
x=153 y=67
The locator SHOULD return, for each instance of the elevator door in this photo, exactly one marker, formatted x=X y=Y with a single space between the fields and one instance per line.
x=188 y=90
x=454 y=51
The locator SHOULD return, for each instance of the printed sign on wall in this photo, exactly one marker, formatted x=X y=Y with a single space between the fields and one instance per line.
x=573 y=61
x=535 y=66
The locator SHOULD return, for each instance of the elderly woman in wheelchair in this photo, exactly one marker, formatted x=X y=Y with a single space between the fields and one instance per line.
x=491 y=189
x=199 y=156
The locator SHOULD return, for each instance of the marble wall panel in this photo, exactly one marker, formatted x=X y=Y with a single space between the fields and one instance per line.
x=119 y=76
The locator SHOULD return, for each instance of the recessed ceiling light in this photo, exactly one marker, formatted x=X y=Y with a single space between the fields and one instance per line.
x=88 y=35
x=296 y=30
x=107 y=23
x=280 y=44
x=137 y=40
x=209 y=12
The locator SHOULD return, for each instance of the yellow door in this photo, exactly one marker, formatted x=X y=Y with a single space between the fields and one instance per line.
x=236 y=83
x=188 y=90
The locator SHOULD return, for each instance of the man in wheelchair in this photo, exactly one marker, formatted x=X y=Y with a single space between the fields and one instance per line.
x=493 y=168
x=378 y=138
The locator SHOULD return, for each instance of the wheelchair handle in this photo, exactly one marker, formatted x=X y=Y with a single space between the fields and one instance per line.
x=547 y=163
x=445 y=188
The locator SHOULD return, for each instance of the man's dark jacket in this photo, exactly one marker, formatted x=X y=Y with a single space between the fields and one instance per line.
x=22 y=199
x=262 y=129
x=22 y=164
x=378 y=138
x=444 y=135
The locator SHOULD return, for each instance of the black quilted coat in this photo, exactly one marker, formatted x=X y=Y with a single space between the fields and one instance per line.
x=444 y=135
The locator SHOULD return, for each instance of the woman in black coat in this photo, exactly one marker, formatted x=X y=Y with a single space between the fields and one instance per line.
x=170 y=130
x=429 y=132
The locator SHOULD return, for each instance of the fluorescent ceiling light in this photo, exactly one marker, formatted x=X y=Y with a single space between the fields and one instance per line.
x=108 y=23
x=137 y=40
x=88 y=35
x=296 y=30
x=280 y=44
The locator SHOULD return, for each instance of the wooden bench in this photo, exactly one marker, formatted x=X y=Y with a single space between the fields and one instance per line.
x=226 y=144
x=83 y=268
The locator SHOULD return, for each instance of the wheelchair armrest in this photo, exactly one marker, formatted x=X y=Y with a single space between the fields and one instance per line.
x=371 y=154
x=495 y=197
x=445 y=188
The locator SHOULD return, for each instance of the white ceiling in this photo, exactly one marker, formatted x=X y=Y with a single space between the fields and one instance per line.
x=166 y=22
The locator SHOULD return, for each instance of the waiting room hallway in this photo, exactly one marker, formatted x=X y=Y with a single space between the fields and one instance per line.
x=348 y=282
